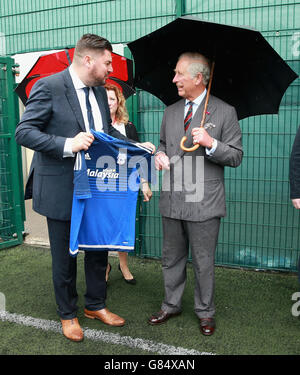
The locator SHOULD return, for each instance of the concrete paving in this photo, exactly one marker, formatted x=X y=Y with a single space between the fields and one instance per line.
x=36 y=227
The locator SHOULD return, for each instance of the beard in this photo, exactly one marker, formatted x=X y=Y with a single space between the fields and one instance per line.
x=96 y=79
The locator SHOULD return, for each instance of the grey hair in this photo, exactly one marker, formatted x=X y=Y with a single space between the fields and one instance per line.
x=199 y=64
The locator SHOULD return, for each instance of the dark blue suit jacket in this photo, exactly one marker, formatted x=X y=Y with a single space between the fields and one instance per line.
x=53 y=114
x=294 y=174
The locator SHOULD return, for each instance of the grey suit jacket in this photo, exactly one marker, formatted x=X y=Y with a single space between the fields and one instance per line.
x=193 y=189
x=53 y=114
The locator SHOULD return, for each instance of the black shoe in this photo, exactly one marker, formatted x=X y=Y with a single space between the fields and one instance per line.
x=161 y=317
x=128 y=281
x=207 y=326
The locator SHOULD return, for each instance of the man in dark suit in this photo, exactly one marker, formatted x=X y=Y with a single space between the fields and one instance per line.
x=192 y=199
x=59 y=113
x=294 y=174
x=294 y=177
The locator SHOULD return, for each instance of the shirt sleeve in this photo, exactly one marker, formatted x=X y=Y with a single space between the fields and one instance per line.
x=210 y=151
x=68 y=149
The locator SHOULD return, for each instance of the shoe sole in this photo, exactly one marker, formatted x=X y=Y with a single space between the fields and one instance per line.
x=207 y=334
x=95 y=317
x=74 y=340
x=130 y=281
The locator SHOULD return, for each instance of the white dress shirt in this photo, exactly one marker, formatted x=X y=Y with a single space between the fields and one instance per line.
x=79 y=85
x=120 y=126
x=196 y=103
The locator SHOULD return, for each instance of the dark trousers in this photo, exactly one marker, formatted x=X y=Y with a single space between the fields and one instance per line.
x=64 y=272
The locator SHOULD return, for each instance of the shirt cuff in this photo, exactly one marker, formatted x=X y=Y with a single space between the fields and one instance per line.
x=210 y=151
x=68 y=148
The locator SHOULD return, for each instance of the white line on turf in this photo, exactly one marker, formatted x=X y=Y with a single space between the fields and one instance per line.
x=98 y=335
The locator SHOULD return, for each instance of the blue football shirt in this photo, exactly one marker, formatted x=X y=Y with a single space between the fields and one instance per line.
x=106 y=185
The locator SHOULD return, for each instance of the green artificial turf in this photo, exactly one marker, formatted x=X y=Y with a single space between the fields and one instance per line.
x=253 y=309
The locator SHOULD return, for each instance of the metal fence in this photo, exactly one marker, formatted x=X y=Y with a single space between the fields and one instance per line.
x=11 y=185
x=261 y=229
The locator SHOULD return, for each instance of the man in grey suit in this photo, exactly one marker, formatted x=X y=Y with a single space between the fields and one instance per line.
x=192 y=199
x=59 y=113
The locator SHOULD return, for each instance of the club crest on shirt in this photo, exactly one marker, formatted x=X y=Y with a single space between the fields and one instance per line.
x=122 y=157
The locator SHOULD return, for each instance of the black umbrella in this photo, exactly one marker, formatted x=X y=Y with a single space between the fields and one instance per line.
x=248 y=72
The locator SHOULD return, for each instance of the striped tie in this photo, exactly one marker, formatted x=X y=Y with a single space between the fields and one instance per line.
x=188 y=117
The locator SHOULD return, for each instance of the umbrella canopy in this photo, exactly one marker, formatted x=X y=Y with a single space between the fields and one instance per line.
x=52 y=63
x=248 y=73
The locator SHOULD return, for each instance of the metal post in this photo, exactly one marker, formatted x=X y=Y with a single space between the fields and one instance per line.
x=180 y=8
x=132 y=105
x=12 y=210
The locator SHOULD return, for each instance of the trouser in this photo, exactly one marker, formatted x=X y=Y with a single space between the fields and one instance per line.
x=64 y=272
x=201 y=237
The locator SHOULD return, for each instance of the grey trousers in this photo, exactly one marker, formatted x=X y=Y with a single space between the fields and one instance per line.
x=202 y=238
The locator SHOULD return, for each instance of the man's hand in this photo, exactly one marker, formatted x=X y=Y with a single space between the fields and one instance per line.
x=162 y=161
x=146 y=191
x=149 y=145
x=201 y=137
x=296 y=203
x=82 y=141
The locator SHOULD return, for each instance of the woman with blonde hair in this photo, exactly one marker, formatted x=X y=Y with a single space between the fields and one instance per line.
x=119 y=117
x=119 y=114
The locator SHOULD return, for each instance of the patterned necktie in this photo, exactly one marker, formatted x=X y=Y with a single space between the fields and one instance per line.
x=188 y=117
x=89 y=108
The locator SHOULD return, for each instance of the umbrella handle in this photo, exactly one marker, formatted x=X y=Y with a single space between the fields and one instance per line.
x=183 y=139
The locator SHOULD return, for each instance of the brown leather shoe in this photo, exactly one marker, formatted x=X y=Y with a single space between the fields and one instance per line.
x=105 y=316
x=71 y=329
x=207 y=326
x=160 y=317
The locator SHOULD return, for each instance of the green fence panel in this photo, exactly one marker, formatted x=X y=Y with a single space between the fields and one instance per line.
x=40 y=25
x=261 y=229
x=11 y=180
x=150 y=112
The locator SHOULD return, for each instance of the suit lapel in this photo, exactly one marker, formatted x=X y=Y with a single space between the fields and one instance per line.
x=73 y=99
x=177 y=126
x=179 y=123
